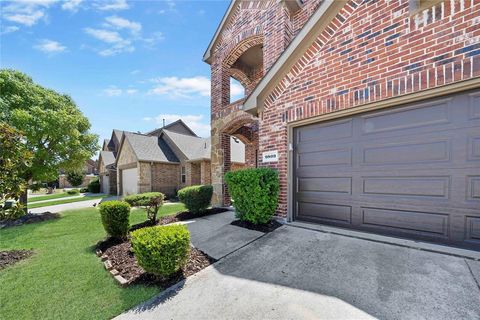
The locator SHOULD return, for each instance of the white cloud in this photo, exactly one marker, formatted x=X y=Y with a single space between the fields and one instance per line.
x=134 y=72
x=131 y=91
x=237 y=91
x=9 y=29
x=182 y=87
x=50 y=46
x=71 y=5
x=112 y=91
x=196 y=122
x=121 y=23
x=104 y=35
x=112 y=5
x=119 y=44
x=26 y=12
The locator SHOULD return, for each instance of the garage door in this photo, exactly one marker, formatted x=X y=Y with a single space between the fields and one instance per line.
x=411 y=171
x=106 y=184
x=129 y=181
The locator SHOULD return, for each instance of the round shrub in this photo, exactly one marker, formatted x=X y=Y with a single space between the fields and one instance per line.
x=255 y=193
x=196 y=198
x=161 y=250
x=94 y=186
x=73 y=192
x=75 y=178
x=115 y=218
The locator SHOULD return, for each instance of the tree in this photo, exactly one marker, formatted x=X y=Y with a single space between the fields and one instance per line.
x=75 y=178
x=56 y=132
x=14 y=162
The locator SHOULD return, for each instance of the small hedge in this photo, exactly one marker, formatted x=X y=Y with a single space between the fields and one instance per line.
x=73 y=191
x=94 y=186
x=255 y=193
x=161 y=250
x=115 y=218
x=151 y=201
x=196 y=198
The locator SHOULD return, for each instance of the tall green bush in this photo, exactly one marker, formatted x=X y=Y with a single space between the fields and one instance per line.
x=151 y=201
x=115 y=218
x=255 y=193
x=94 y=186
x=196 y=198
x=161 y=250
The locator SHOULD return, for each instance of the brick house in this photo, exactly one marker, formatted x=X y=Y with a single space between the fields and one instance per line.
x=107 y=170
x=369 y=110
x=165 y=160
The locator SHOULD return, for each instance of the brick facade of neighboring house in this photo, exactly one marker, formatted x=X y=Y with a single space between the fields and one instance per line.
x=165 y=160
x=326 y=59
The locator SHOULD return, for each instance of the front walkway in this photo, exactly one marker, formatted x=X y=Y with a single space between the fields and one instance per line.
x=294 y=273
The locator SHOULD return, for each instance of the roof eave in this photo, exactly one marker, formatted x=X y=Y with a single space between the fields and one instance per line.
x=306 y=35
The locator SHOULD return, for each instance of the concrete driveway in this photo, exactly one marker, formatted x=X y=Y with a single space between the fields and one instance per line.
x=295 y=273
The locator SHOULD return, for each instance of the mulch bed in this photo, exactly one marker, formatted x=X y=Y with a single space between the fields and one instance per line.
x=265 y=228
x=8 y=258
x=29 y=218
x=123 y=260
x=181 y=216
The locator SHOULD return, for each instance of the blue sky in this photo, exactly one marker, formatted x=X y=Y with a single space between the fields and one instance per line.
x=127 y=64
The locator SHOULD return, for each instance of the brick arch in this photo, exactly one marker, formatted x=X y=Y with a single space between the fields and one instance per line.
x=235 y=120
x=237 y=48
x=239 y=75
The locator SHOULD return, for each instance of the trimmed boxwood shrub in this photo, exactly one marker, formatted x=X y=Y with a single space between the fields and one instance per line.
x=115 y=218
x=196 y=198
x=161 y=250
x=94 y=186
x=255 y=193
x=73 y=191
x=151 y=201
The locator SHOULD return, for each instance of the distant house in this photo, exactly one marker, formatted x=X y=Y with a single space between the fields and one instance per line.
x=165 y=160
x=106 y=163
x=90 y=170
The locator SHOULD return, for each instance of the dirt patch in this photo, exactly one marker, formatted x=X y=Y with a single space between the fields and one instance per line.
x=123 y=260
x=29 y=218
x=265 y=228
x=181 y=216
x=8 y=258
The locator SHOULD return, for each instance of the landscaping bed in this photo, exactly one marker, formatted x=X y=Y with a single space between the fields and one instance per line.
x=181 y=216
x=29 y=218
x=10 y=257
x=265 y=228
x=122 y=262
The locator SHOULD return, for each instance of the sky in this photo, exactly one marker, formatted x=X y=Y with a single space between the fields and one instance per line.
x=126 y=64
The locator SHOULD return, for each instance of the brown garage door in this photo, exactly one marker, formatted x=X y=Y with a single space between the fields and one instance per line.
x=411 y=171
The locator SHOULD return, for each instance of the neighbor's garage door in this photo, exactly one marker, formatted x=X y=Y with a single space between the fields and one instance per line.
x=129 y=181
x=411 y=171
x=106 y=184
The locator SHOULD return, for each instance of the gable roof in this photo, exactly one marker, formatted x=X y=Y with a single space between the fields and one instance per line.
x=325 y=12
x=107 y=157
x=149 y=148
x=176 y=126
x=105 y=144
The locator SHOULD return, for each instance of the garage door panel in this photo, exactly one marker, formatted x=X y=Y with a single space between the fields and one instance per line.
x=407 y=186
x=422 y=115
x=325 y=212
x=412 y=171
x=426 y=223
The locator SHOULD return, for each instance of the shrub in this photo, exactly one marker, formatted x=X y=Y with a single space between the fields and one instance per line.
x=255 y=193
x=75 y=178
x=161 y=250
x=151 y=201
x=196 y=198
x=94 y=186
x=115 y=218
x=83 y=190
x=11 y=210
x=73 y=191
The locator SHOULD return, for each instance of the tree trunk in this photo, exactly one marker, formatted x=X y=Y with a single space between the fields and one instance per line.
x=24 y=199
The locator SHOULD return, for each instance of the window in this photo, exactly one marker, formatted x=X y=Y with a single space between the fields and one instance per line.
x=183 y=176
x=416 y=6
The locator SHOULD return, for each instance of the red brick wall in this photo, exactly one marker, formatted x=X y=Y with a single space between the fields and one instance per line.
x=373 y=50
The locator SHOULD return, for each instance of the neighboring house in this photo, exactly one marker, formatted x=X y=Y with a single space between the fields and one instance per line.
x=90 y=171
x=106 y=163
x=369 y=110
x=166 y=160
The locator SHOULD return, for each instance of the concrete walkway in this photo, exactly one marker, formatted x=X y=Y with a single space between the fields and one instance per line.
x=294 y=273
x=71 y=206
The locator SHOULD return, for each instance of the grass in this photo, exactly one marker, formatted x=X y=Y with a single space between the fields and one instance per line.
x=55 y=202
x=51 y=197
x=65 y=279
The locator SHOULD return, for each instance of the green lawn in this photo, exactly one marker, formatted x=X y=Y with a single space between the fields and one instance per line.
x=65 y=279
x=62 y=201
x=50 y=197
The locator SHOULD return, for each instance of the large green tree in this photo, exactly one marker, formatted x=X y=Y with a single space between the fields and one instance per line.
x=56 y=132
